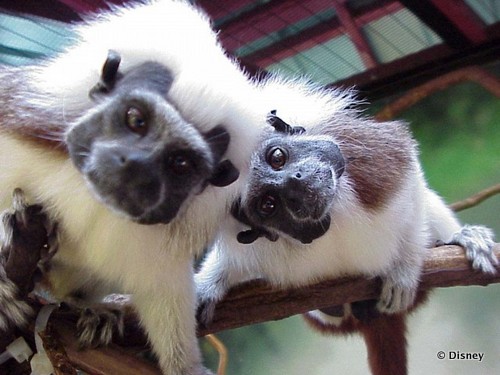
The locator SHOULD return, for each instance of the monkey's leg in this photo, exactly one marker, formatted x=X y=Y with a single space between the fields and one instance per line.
x=23 y=239
x=214 y=279
x=98 y=323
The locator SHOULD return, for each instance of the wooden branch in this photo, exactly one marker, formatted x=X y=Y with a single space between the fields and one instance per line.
x=476 y=198
x=474 y=74
x=256 y=302
x=57 y=353
x=102 y=361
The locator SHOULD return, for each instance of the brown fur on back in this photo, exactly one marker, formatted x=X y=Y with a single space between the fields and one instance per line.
x=379 y=156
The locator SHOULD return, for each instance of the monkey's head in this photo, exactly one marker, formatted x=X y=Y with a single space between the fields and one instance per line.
x=139 y=156
x=291 y=185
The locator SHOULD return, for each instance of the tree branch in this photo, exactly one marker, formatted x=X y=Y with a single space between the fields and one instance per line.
x=476 y=198
x=256 y=302
x=475 y=74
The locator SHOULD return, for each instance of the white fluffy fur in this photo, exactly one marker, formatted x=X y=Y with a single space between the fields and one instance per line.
x=154 y=263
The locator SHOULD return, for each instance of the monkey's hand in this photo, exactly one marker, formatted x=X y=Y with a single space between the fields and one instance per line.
x=205 y=311
x=24 y=240
x=478 y=242
x=397 y=295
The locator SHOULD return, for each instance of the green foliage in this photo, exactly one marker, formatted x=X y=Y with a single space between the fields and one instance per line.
x=459 y=135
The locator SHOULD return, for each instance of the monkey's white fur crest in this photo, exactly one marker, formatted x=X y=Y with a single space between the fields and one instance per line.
x=154 y=263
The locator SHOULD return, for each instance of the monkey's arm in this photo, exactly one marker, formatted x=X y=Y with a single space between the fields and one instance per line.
x=214 y=279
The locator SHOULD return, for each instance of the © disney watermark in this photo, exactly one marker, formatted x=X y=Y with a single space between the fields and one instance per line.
x=454 y=355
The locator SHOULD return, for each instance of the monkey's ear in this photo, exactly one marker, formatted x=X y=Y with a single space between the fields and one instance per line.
x=109 y=75
x=218 y=138
x=225 y=174
x=281 y=126
x=339 y=162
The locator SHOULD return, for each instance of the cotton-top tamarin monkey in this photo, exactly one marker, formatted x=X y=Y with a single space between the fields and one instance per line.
x=330 y=193
x=144 y=103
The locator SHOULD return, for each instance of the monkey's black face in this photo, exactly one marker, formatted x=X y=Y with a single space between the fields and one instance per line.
x=292 y=184
x=139 y=155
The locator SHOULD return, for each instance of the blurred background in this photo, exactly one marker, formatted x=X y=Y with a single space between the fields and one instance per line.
x=384 y=48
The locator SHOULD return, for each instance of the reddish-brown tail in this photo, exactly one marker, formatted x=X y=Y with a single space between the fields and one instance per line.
x=385 y=339
x=384 y=334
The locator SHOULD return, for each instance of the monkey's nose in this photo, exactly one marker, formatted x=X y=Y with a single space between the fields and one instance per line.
x=132 y=159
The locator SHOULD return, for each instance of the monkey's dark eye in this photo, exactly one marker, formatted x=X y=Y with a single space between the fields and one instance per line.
x=180 y=164
x=267 y=206
x=277 y=158
x=136 y=121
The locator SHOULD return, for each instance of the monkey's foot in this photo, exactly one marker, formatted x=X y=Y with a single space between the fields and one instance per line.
x=27 y=240
x=23 y=239
x=97 y=325
x=206 y=311
x=478 y=242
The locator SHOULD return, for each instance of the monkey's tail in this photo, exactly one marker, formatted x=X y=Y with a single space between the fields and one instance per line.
x=385 y=339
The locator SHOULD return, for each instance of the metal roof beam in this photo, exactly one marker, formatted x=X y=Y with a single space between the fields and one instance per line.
x=318 y=34
x=453 y=21
x=412 y=70
x=355 y=34
x=221 y=8
x=266 y=19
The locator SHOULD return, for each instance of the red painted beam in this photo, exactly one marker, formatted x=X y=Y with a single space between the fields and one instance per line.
x=267 y=19
x=316 y=35
x=355 y=34
x=90 y=6
x=464 y=18
x=82 y=7
x=51 y=9
x=220 y=8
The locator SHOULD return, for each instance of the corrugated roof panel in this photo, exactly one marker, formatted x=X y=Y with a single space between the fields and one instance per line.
x=325 y=63
x=25 y=38
x=487 y=10
x=397 y=35
x=285 y=32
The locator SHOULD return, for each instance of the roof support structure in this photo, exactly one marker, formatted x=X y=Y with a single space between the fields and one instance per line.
x=318 y=34
x=453 y=21
x=355 y=34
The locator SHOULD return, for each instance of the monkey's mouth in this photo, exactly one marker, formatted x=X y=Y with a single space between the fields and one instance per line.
x=309 y=208
x=142 y=201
